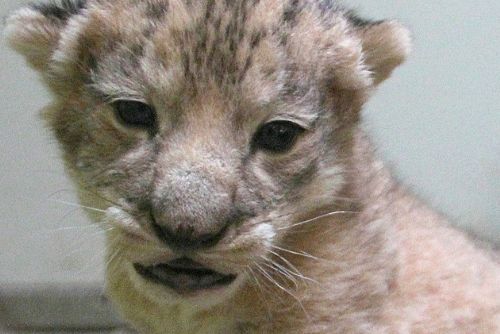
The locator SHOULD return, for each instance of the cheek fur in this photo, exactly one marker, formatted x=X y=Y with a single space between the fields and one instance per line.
x=281 y=177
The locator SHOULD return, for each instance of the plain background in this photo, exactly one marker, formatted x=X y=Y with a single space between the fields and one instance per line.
x=436 y=121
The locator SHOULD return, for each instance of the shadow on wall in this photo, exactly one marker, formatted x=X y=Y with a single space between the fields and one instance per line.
x=52 y=307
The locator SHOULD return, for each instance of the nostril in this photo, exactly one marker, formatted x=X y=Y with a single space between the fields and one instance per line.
x=211 y=239
x=163 y=233
x=185 y=238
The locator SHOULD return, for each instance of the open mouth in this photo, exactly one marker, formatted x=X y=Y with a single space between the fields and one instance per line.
x=184 y=275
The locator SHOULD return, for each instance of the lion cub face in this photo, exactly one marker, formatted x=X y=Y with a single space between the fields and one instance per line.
x=205 y=131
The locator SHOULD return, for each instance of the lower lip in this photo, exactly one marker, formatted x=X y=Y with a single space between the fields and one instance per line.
x=184 y=282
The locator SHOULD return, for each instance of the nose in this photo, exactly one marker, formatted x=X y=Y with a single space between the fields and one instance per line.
x=192 y=207
x=184 y=237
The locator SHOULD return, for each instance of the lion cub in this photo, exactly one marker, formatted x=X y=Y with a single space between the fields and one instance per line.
x=220 y=141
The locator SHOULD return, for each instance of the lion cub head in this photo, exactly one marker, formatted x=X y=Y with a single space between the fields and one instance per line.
x=204 y=132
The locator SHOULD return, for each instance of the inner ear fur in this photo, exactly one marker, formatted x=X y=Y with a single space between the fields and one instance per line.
x=34 y=31
x=386 y=45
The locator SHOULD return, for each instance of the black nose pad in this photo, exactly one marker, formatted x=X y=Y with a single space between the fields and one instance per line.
x=186 y=238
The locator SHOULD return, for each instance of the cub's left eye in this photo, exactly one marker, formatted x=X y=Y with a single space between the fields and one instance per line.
x=277 y=136
x=135 y=114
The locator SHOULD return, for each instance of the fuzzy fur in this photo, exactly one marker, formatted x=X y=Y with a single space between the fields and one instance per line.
x=322 y=238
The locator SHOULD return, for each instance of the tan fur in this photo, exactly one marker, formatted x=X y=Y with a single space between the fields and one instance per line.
x=328 y=242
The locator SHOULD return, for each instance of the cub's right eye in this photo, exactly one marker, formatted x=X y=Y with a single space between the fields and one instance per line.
x=135 y=114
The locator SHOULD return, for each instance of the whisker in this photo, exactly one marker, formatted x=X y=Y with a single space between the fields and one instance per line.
x=265 y=293
x=90 y=263
x=270 y=278
x=77 y=205
x=78 y=243
x=85 y=188
x=299 y=302
x=112 y=257
x=60 y=191
x=299 y=253
x=294 y=271
x=74 y=228
x=66 y=215
x=252 y=274
x=326 y=215
x=281 y=271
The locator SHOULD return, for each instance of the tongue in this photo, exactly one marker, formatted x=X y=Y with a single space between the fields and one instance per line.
x=187 y=278
x=184 y=275
x=186 y=264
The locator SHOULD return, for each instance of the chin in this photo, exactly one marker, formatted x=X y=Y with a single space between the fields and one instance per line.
x=148 y=272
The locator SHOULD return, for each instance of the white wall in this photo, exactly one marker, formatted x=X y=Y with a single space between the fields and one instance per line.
x=41 y=240
x=437 y=121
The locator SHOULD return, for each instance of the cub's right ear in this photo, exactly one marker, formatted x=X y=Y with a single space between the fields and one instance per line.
x=34 y=31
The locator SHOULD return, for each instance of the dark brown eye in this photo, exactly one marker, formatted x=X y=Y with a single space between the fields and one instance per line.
x=135 y=114
x=277 y=136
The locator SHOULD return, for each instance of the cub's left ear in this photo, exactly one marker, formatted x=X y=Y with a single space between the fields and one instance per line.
x=385 y=44
x=34 y=31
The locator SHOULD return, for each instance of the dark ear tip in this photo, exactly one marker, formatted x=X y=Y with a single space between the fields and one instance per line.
x=60 y=10
x=360 y=22
x=33 y=30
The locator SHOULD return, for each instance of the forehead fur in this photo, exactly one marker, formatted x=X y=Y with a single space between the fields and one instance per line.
x=257 y=45
x=126 y=47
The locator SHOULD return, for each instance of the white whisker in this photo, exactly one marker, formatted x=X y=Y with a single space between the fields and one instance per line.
x=269 y=277
x=262 y=291
x=299 y=253
x=74 y=228
x=293 y=269
x=76 y=205
x=326 y=215
x=281 y=271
